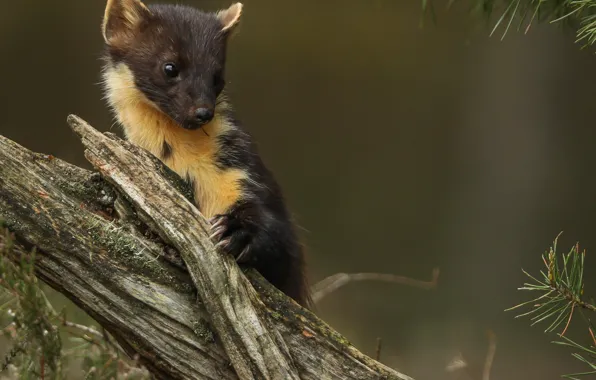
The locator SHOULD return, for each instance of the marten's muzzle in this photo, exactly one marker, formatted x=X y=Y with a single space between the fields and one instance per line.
x=199 y=117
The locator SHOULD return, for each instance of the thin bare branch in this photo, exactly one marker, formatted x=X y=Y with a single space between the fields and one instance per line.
x=83 y=328
x=330 y=284
x=378 y=351
x=492 y=348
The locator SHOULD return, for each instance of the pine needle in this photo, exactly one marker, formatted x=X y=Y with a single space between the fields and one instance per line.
x=580 y=15
x=563 y=293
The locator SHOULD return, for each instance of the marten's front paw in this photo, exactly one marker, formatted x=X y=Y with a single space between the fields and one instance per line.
x=229 y=236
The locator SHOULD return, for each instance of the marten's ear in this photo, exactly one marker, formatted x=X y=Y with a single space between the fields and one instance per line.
x=121 y=17
x=230 y=17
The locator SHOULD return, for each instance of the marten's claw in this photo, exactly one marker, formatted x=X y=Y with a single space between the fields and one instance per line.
x=243 y=255
x=216 y=234
x=217 y=221
x=218 y=228
x=230 y=237
x=223 y=243
x=227 y=245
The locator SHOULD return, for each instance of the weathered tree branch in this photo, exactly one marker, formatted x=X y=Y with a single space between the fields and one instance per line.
x=254 y=348
x=112 y=244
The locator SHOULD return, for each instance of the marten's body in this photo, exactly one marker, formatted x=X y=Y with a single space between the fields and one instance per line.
x=164 y=81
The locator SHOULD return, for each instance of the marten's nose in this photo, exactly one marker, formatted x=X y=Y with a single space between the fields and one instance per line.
x=203 y=115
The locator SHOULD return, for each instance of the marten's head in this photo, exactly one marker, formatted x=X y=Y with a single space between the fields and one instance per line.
x=170 y=57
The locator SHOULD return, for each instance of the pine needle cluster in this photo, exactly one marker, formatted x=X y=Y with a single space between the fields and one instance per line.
x=561 y=288
x=506 y=15
x=35 y=329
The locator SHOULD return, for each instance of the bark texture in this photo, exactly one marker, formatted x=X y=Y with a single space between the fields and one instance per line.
x=129 y=247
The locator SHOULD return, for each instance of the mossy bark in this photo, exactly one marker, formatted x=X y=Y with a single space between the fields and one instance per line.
x=130 y=249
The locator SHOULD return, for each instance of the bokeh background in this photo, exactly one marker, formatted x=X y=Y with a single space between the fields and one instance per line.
x=399 y=148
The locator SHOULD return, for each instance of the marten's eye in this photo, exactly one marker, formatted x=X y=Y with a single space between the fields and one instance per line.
x=170 y=70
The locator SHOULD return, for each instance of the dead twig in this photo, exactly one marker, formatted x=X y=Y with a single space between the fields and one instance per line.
x=330 y=284
x=492 y=348
x=378 y=352
x=459 y=363
x=87 y=329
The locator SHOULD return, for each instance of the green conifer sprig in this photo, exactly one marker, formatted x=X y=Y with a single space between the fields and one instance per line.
x=586 y=355
x=523 y=14
x=561 y=286
x=36 y=336
x=34 y=328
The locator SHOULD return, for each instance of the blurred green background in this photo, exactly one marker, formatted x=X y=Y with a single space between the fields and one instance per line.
x=399 y=149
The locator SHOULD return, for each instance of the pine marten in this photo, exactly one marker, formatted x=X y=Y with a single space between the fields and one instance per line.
x=164 y=79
